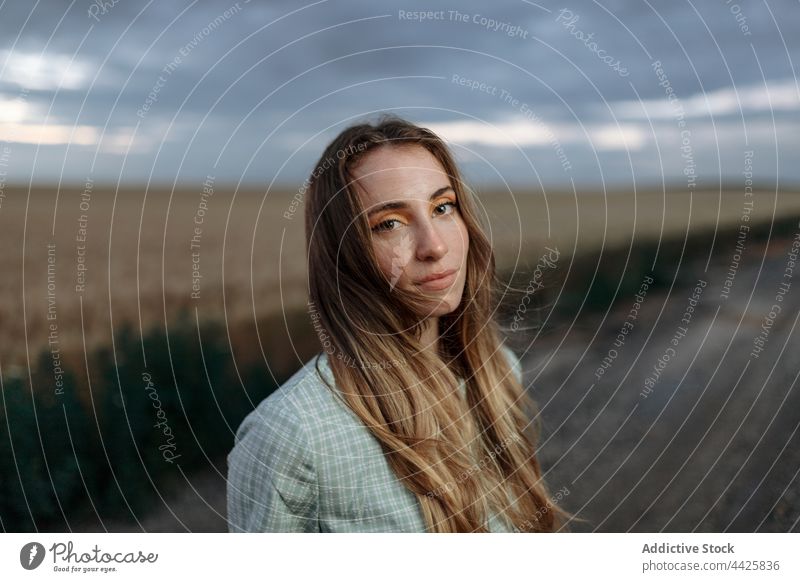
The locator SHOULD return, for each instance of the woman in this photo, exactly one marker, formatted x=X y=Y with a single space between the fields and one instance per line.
x=413 y=417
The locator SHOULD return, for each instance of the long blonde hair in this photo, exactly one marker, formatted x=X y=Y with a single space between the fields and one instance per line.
x=461 y=460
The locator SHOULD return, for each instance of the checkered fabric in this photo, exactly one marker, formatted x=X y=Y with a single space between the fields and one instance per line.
x=302 y=461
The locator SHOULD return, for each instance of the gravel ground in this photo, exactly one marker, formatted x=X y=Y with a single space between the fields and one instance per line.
x=713 y=445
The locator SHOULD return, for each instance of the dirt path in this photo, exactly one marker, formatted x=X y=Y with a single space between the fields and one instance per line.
x=714 y=444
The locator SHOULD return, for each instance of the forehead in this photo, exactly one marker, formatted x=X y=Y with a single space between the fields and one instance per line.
x=391 y=172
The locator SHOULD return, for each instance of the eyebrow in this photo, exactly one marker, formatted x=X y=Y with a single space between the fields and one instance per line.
x=400 y=204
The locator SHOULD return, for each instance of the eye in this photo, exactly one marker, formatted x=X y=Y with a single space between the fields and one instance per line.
x=441 y=209
x=384 y=226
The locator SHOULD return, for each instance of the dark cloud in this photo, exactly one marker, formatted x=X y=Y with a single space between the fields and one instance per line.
x=193 y=82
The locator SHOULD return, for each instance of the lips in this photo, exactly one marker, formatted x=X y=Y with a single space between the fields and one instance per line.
x=437 y=281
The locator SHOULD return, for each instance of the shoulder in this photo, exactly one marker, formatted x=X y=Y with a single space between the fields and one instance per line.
x=313 y=382
x=273 y=468
x=297 y=414
x=284 y=405
x=272 y=434
x=274 y=441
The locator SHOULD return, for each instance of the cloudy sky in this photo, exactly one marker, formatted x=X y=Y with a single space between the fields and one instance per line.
x=594 y=93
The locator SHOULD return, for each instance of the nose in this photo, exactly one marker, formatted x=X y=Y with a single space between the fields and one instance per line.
x=430 y=246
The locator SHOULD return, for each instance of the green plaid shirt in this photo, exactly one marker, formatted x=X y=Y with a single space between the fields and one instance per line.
x=302 y=461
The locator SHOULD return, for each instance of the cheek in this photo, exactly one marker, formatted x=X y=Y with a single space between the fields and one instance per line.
x=459 y=238
x=382 y=255
x=393 y=256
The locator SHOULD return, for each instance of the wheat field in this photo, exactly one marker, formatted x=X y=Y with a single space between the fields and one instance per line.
x=79 y=261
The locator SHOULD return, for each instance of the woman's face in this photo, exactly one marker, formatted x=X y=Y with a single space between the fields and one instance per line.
x=418 y=235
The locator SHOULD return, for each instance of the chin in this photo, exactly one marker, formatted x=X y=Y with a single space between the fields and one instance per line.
x=446 y=305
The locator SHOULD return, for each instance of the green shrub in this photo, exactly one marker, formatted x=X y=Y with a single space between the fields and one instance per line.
x=104 y=452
